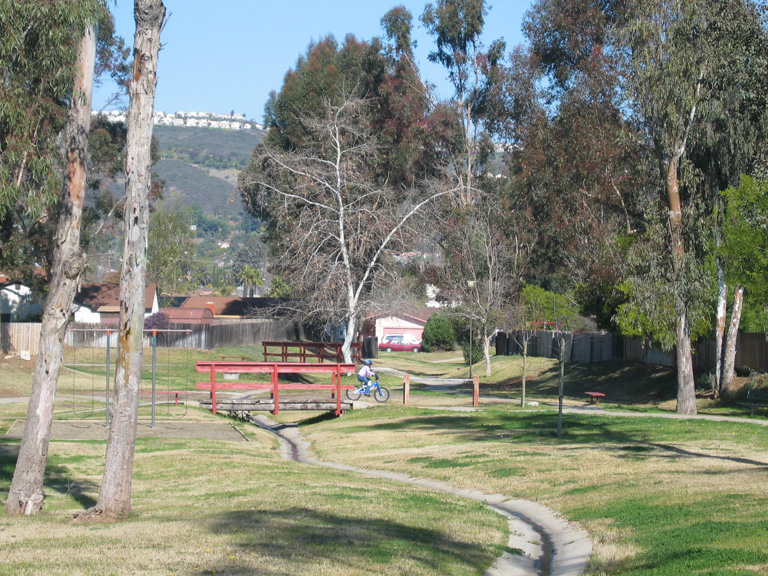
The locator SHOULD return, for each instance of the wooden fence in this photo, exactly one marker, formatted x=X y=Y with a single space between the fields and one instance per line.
x=751 y=349
x=217 y=335
x=18 y=337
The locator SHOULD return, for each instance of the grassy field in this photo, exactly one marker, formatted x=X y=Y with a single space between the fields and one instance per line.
x=236 y=507
x=658 y=496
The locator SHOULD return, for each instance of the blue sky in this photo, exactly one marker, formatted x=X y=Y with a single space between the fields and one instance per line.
x=227 y=55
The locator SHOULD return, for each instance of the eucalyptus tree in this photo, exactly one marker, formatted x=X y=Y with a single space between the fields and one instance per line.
x=457 y=26
x=48 y=54
x=353 y=151
x=745 y=236
x=678 y=65
x=115 y=493
x=677 y=60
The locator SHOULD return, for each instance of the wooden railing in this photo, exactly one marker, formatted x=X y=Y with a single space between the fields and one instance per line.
x=307 y=351
x=274 y=369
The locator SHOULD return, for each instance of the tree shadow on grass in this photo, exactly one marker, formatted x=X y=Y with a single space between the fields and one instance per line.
x=58 y=478
x=359 y=542
x=621 y=382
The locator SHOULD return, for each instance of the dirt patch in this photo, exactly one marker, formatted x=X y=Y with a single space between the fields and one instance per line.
x=89 y=430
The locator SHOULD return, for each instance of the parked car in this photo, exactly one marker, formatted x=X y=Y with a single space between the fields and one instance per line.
x=400 y=345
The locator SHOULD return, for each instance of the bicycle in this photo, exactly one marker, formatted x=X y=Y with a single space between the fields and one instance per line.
x=380 y=394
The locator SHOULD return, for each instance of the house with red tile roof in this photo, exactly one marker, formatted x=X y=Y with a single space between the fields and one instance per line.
x=236 y=308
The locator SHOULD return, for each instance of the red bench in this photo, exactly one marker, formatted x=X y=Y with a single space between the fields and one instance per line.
x=594 y=397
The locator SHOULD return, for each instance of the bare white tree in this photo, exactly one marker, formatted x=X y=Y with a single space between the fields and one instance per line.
x=332 y=221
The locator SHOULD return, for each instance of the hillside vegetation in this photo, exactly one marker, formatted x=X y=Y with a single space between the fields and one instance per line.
x=200 y=165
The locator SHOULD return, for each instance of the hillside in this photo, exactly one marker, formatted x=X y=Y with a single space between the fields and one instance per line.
x=200 y=165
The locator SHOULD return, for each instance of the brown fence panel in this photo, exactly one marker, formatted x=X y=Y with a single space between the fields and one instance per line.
x=751 y=349
x=752 y=352
x=16 y=337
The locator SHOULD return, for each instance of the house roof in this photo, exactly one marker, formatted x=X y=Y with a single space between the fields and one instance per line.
x=223 y=306
x=187 y=313
x=415 y=314
x=106 y=297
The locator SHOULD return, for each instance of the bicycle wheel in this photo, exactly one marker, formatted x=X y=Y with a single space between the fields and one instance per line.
x=353 y=395
x=381 y=394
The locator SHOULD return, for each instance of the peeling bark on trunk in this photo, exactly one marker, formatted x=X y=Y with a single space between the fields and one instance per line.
x=115 y=494
x=722 y=296
x=26 y=492
x=729 y=358
x=686 y=386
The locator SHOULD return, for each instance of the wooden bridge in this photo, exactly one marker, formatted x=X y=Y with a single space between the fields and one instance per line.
x=275 y=369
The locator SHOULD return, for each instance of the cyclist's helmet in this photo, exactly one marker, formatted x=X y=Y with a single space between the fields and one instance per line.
x=367 y=362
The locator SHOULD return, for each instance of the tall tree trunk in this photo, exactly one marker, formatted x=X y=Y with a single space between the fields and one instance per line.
x=525 y=369
x=115 y=494
x=26 y=493
x=722 y=301
x=487 y=352
x=686 y=386
x=349 y=337
x=729 y=358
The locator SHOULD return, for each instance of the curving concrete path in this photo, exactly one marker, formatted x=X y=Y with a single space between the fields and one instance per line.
x=550 y=545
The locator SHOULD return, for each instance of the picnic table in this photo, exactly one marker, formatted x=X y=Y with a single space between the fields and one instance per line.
x=594 y=397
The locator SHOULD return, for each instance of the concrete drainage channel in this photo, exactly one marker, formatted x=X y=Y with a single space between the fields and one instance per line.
x=547 y=545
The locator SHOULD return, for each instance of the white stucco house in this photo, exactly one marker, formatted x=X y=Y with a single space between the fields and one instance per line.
x=17 y=303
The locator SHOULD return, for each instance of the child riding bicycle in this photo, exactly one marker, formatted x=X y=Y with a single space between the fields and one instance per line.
x=366 y=375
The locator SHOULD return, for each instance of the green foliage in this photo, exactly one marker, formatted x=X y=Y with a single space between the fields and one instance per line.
x=438 y=333
x=38 y=55
x=541 y=305
x=170 y=249
x=477 y=351
x=745 y=237
x=279 y=288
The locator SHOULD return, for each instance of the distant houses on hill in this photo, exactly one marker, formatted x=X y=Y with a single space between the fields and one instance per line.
x=191 y=120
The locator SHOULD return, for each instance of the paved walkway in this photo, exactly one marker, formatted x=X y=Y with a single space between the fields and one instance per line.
x=551 y=546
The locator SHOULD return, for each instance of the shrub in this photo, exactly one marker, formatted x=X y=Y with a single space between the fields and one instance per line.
x=477 y=351
x=157 y=321
x=438 y=334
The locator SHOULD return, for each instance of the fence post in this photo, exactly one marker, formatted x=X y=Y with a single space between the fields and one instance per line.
x=338 y=389
x=106 y=397
x=213 y=387
x=475 y=390
x=406 y=389
x=154 y=373
x=275 y=393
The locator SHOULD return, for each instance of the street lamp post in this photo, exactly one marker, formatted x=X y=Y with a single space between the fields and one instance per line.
x=471 y=286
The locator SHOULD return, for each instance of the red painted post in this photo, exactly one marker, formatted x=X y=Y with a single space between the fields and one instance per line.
x=475 y=390
x=406 y=389
x=275 y=393
x=338 y=389
x=213 y=387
